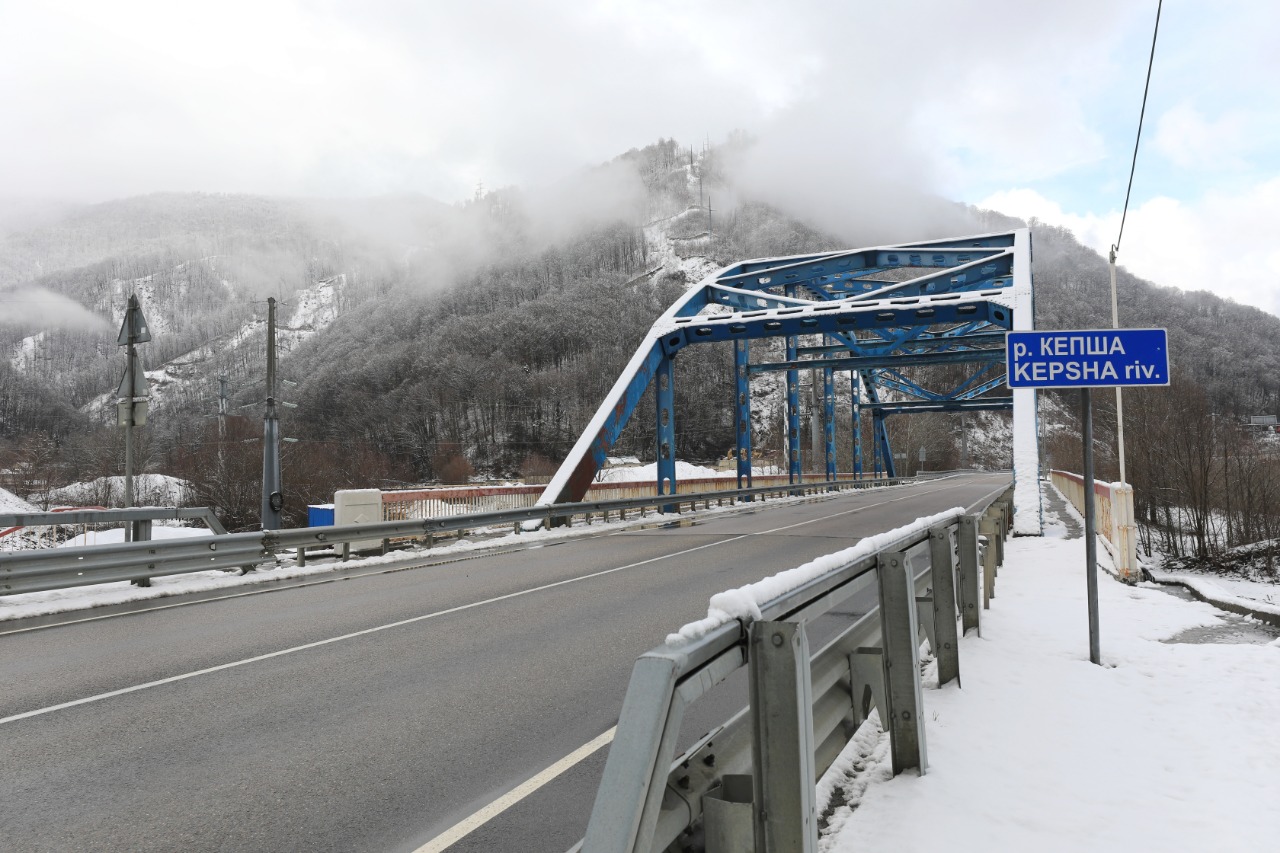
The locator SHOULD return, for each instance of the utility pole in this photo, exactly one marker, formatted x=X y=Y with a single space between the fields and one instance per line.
x=710 y=236
x=272 y=497
x=131 y=408
x=1115 y=324
x=222 y=406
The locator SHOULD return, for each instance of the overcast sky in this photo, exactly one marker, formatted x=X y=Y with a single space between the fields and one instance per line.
x=1027 y=107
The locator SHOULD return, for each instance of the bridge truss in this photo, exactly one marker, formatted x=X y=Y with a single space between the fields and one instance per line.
x=872 y=313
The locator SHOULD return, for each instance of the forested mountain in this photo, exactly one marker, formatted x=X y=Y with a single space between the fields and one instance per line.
x=473 y=337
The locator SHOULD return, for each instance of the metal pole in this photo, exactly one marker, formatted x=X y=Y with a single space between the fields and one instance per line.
x=1090 y=540
x=272 y=495
x=1115 y=324
x=130 y=368
x=781 y=690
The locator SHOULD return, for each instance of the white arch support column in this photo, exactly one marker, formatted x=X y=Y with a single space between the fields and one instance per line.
x=1028 y=515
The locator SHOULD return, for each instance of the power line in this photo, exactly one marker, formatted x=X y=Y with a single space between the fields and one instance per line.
x=1141 y=115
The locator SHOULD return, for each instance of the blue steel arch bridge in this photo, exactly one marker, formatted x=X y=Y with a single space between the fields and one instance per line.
x=869 y=312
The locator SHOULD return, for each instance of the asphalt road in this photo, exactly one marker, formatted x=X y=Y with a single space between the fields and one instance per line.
x=379 y=712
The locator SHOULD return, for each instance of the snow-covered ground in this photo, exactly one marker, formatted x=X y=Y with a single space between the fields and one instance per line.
x=684 y=471
x=115 y=535
x=9 y=502
x=1172 y=745
x=148 y=490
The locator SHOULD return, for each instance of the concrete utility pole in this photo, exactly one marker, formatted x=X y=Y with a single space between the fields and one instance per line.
x=272 y=497
x=131 y=408
x=1115 y=324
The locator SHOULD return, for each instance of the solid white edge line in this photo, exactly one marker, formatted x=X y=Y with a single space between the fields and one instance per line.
x=318 y=643
x=470 y=824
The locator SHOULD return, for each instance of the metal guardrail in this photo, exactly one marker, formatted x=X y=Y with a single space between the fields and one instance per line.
x=803 y=709
x=60 y=568
x=113 y=516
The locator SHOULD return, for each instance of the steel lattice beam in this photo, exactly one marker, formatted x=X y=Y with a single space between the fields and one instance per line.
x=882 y=310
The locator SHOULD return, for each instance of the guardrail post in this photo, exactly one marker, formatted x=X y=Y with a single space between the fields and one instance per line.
x=989 y=529
x=782 y=738
x=943 y=579
x=625 y=812
x=970 y=613
x=901 y=639
x=140 y=531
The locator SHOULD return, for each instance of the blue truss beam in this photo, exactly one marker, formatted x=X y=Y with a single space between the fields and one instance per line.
x=855 y=396
x=835 y=318
x=794 y=466
x=742 y=406
x=972 y=341
x=986 y=273
x=871 y=362
x=829 y=420
x=949 y=302
x=974 y=393
x=903 y=385
x=879 y=432
x=666 y=429
x=820 y=270
x=984 y=404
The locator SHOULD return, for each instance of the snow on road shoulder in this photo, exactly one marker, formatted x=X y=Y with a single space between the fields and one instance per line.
x=1168 y=746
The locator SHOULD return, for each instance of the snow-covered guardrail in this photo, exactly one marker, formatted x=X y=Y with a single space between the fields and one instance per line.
x=753 y=776
x=1113 y=510
x=59 y=568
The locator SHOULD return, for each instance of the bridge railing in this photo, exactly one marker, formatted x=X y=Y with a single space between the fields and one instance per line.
x=750 y=783
x=1113 y=514
x=453 y=500
x=60 y=568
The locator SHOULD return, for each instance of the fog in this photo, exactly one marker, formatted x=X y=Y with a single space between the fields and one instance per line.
x=35 y=307
x=344 y=99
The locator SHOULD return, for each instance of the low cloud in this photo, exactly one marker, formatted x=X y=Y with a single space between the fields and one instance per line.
x=1223 y=242
x=37 y=308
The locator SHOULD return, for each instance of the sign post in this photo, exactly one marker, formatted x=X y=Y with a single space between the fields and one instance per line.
x=1087 y=359
x=131 y=410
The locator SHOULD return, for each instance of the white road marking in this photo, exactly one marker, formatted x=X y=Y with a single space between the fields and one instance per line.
x=465 y=827
x=448 y=611
x=362 y=633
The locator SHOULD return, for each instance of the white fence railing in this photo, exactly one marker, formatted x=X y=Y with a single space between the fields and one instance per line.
x=456 y=500
x=1113 y=512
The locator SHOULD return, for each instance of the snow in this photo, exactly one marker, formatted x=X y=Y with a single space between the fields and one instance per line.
x=116 y=535
x=649 y=473
x=1169 y=746
x=744 y=602
x=11 y=503
x=1258 y=596
x=148 y=490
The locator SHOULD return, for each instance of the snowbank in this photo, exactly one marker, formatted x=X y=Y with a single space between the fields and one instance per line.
x=148 y=490
x=1169 y=746
x=649 y=473
x=115 y=535
x=9 y=502
x=744 y=602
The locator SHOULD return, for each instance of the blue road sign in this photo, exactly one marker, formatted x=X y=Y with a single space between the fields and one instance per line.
x=1088 y=358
